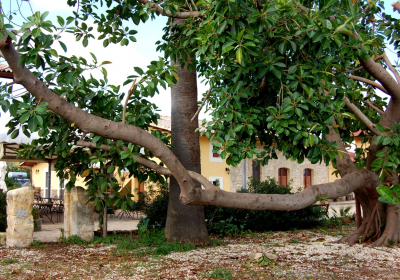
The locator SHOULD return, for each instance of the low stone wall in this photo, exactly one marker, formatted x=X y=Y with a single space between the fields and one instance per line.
x=78 y=214
x=19 y=217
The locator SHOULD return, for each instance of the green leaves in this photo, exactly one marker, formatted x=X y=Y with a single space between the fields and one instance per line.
x=239 y=55
x=389 y=195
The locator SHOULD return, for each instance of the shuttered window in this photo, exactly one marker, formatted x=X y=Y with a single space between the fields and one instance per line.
x=307 y=177
x=256 y=170
x=283 y=176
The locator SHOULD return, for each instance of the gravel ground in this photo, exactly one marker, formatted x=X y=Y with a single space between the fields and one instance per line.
x=303 y=254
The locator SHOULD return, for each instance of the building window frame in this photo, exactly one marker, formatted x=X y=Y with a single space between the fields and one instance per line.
x=283 y=179
x=307 y=177
x=256 y=169
x=212 y=156
x=212 y=179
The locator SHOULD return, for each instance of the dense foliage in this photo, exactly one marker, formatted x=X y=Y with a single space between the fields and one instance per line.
x=278 y=70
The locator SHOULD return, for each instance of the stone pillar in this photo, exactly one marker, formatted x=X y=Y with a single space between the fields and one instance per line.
x=19 y=217
x=78 y=215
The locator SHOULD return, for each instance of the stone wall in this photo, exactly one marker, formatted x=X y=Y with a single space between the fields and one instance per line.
x=78 y=215
x=19 y=217
x=319 y=172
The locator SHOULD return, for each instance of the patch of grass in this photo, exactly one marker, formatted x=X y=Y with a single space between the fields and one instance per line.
x=294 y=241
x=391 y=243
x=37 y=244
x=149 y=242
x=220 y=273
x=217 y=242
x=75 y=239
x=167 y=248
x=9 y=261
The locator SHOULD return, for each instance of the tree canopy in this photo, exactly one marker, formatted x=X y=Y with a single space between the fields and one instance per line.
x=297 y=76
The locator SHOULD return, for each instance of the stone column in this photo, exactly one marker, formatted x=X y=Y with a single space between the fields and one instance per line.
x=19 y=217
x=78 y=214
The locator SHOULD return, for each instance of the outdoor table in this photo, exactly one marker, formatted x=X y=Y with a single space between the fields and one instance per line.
x=45 y=209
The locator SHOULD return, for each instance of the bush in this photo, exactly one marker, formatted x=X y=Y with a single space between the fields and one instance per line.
x=156 y=205
x=3 y=212
x=264 y=220
x=230 y=221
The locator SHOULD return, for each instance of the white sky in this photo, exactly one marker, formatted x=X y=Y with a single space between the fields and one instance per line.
x=123 y=58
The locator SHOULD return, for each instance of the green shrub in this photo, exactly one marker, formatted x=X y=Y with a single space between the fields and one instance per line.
x=3 y=212
x=156 y=205
x=264 y=220
x=231 y=222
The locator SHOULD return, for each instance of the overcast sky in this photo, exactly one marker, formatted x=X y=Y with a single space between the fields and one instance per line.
x=123 y=58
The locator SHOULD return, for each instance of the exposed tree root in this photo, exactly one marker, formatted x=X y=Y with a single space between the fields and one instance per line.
x=370 y=229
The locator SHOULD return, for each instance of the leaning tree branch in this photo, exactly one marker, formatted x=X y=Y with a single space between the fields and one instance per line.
x=362 y=67
x=215 y=196
x=151 y=164
x=127 y=99
x=285 y=202
x=370 y=104
x=365 y=120
x=201 y=106
x=392 y=69
x=160 y=10
x=89 y=123
x=367 y=81
x=379 y=73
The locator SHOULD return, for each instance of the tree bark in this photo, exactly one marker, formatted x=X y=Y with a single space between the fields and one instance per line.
x=185 y=223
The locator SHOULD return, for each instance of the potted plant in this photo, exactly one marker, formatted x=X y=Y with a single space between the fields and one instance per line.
x=37 y=221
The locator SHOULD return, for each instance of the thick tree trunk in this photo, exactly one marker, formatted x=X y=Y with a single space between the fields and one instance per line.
x=185 y=223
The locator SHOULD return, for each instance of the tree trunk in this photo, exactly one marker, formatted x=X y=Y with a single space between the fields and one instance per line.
x=185 y=223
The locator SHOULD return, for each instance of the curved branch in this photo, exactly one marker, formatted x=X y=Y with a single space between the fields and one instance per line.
x=201 y=106
x=371 y=126
x=362 y=67
x=127 y=99
x=160 y=10
x=93 y=124
x=379 y=73
x=370 y=104
x=151 y=164
x=367 y=81
x=392 y=69
x=284 y=202
x=215 y=196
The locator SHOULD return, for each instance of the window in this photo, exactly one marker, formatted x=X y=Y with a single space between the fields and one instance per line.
x=256 y=170
x=217 y=181
x=214 y=157
x=307 y=177
x=283 y=176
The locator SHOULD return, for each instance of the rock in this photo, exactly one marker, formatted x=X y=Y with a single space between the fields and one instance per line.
x=78 y=214
x=19 y=217
x=270 y=256
x=255 y=256
x=2 y=238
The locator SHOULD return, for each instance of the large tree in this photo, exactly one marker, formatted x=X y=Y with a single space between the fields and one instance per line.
x=300 y=77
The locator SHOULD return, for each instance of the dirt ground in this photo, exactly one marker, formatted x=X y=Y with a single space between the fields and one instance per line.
x=302 y=254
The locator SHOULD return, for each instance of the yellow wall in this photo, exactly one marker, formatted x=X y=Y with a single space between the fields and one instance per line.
x=39 y=178
x=213 y=169
x=332 y=177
